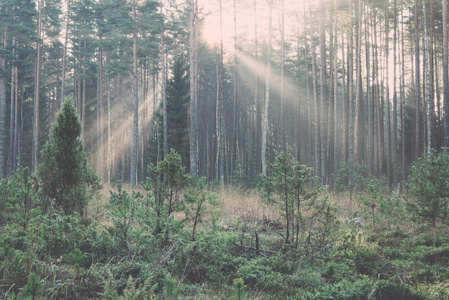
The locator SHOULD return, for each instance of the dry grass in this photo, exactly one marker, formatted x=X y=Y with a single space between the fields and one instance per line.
x=233 y=204
x=248 y=206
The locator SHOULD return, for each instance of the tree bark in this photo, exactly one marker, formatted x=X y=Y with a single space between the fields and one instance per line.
x=193 y=86
x=358 y=131
x=64 y=55
x=417 y=87
x=445 y=78
x=135 y=107
x=3 y=140
x=394 y=140
x=323 y=94
x=387 y=90
x=267 y=92
x=426 y=62
x=37 y=91
x=350 y=55
x=164 y=89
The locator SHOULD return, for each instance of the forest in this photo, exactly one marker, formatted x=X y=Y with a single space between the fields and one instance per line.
x=218 y=149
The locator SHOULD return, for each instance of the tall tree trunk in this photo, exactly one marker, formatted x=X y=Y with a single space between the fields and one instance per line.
x=282 y=88
x=445 y=78
x=83 y=101
x=267 y=91
x=417 y=87
x=426 y=61
x=402 y=97
x=37 y=83
x=3 y=141
x=234 y=137
x=100 y=125
x=370 y=139
x=257 y=131
x=394 y=140
x=64 y=54
x=193 y=91
x=358 y=131
x=387 y=89
x=350 y=55
x=164 y=81
x=13 y=114
x=323 y=94
x=379 y=108
x=135 y=108
x=109 y=133
x=316 y=112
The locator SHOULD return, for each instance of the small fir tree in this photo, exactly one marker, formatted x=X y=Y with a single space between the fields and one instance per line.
x=64 y=173
x=429 y=187
x=166 y=181
x=290 y=185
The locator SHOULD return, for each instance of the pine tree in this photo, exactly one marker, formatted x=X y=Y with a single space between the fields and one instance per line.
x=177 y=89
x=64 y=173
x=429 y=186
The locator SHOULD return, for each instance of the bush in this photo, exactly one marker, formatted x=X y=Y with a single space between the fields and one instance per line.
x=429 y=186
x=390 y=290
x=342 y=290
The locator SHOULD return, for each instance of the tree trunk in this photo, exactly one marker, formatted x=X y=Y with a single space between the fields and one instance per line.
x=417 y=87
x=387 y=90
x=426 y=61
x=445 y=78
x=358 y=131
x=64 y=55
x=234 y=140
x=402 y=97
x=13 y=114
x=193 y=91
x=3 y=141
x=394 y=140
x=135 y=108
x=267 y=92
x=350 y=55
x=323 y=94
x=282 y=88
x=164 y=90
x=316 y=112
x=37 y=83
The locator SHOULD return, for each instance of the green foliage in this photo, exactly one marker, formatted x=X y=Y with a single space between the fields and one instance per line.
x=379 y=203
x=123 y=210
x=64 y=173
x=429 y=187
x=166 y=181
x=20 y=205
x=30 y=290
x=170 y=287
x=351 y=175
x=391 y=290
x=196 y=200
x=239 y=289
x=78 y=259
x=343 y=290
x=177 y=98
x=239 y=177
x=132 y=291
x=290 y=185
